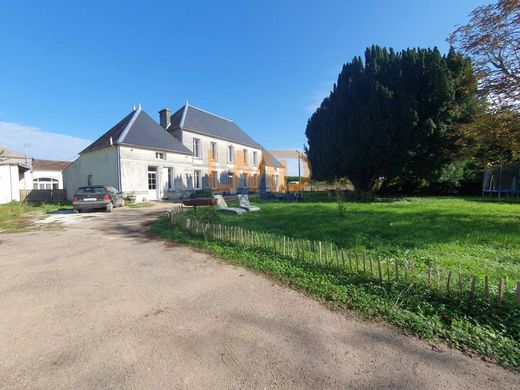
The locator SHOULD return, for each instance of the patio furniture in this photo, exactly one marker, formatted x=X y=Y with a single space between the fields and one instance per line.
x=222 y=206
x=244 y=203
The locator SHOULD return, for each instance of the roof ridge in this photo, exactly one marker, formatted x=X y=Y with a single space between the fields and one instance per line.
x=183 y=117
x=128 y=126
x=210 y=113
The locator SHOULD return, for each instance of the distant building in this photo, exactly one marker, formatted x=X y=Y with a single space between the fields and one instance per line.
x=47 y=174
x=15 y=174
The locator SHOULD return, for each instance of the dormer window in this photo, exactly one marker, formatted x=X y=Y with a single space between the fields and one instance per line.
x=160 y=156
x=196 y=148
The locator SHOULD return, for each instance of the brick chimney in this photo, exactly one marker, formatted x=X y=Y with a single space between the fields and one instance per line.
x=164 y=117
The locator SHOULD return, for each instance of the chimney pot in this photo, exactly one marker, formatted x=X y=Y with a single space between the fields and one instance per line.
x=164 y=117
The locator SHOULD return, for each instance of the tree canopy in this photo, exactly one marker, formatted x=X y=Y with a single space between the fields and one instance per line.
x=392 y=117
x=492 y=40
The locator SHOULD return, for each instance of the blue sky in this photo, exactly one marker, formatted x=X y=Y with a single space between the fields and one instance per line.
x=76 y=67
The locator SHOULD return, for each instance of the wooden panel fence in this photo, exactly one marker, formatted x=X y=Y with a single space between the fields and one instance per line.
x=379 y=269
x=43 y=196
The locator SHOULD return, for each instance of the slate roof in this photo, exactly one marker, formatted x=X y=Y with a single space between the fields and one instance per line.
x=49 y=165
x=202 y=122
x=139 y=129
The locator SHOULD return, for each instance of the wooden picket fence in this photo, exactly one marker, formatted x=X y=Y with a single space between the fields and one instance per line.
x=382 y=270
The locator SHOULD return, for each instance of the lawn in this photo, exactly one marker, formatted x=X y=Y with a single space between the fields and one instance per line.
x=19 y=216
x=468 y=235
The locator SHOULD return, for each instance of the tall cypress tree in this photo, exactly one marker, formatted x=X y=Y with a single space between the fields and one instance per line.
x=391 y=117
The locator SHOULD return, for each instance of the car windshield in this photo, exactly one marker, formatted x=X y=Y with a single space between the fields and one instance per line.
x=90 y=190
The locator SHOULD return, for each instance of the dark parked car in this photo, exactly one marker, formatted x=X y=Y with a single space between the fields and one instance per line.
x=97 y=197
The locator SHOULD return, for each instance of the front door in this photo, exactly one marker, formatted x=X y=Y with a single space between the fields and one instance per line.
x=152 y=183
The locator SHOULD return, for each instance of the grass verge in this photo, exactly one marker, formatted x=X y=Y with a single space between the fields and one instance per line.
x=20 y=216
x=479 y=326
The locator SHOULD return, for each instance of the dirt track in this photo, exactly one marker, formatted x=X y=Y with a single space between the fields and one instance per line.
x=99 y=305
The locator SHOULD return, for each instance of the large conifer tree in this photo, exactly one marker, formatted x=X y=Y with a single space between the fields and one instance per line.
x=391 y=117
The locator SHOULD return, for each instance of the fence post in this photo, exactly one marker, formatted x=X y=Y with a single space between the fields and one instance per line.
x=396 y=263
x=429 y=274
x=320 y=250
x=473 y=282
x=501 y=286
x=448 y=284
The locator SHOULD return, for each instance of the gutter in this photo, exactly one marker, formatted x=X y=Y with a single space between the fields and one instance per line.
x=118 y=165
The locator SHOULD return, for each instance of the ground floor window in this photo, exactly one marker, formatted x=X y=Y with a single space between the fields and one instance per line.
x=152 y=179
x=213 y=179
x=197 y=180
x=45 y=183
x=170 y=178
x=244 y=180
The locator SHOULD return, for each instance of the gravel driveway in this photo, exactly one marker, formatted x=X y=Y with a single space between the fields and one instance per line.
x=98 y=304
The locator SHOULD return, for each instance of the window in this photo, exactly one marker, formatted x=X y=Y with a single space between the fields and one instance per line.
x=213 y=151
x=196 y=148
x=45 y=183
x=170 y=179
x=255 y=157
x=244 y=180
x=255 y=180
x=245 y=156
x=89 y=180
x=213 y=179
x=160 y=156
x=230 y=154
x=152 y=179
x=196 y=180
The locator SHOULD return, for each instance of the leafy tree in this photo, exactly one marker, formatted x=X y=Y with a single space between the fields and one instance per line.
x=391 y=118
x=492 y=40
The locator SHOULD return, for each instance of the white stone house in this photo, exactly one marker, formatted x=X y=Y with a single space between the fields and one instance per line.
x=47 y=174
x=15 y=174
x=192 y=151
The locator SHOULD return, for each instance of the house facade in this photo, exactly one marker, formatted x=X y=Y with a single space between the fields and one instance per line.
x=15 y=174
x=47 y=174
x=190 y=150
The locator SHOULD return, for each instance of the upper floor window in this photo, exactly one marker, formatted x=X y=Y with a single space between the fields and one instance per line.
x=196 y=148
x=255 y=157
x=160 y=156
x=213 y=151
x=245 y=156
x=230 y=154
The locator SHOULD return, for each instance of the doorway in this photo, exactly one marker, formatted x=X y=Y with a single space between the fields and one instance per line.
x=152 y=183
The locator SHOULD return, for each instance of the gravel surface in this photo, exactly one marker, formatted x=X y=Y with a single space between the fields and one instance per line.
x=99 y=304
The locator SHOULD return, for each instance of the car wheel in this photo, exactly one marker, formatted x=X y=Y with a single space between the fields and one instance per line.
x=109 y=208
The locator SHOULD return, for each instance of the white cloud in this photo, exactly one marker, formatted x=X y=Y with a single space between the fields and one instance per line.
x=318 y=95
x=38 y=143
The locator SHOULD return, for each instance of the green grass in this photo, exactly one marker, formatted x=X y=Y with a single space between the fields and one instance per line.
x=19 y=216
x=465 y=235
x=139 y=205
x=476 y=325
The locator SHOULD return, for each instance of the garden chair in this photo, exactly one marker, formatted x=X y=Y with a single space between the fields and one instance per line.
x=244 y=203
x=222 y=206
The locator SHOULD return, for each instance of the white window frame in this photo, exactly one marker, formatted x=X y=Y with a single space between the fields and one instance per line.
x=213 y=148
x=230 y=154
x=197 y=174
x=245 y=151
x=197 y=152
x=255 y=157
x=160 y=155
